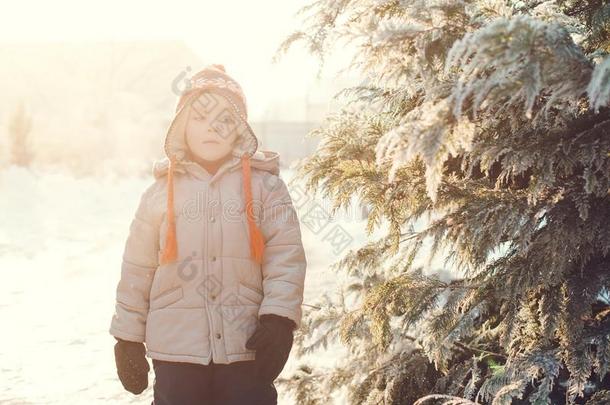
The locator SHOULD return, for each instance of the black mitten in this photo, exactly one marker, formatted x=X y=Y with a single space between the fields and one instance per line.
x=272 y=341
x=131 y=364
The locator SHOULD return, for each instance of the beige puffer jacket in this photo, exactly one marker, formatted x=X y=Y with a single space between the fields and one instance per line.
x=205 y=305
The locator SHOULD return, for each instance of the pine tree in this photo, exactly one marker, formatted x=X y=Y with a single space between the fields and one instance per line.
x=489 y=122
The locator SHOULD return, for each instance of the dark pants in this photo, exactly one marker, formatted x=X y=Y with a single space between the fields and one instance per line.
x=178 y=383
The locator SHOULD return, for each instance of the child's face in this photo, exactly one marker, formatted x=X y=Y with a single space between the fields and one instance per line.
x=212 y=127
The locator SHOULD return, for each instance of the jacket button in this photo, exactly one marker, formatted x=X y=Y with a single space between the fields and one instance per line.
x=212 y=219
x=213 y=296
x=213 y=258
x=218 y=335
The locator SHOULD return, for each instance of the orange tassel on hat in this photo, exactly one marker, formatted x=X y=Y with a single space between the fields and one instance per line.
x=257 y=243
x=170 y=253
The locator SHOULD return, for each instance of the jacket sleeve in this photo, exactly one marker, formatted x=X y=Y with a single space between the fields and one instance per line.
x=139 y=263
x=284 y=261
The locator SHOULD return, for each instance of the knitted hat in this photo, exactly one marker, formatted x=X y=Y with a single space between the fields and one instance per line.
x=214 y=79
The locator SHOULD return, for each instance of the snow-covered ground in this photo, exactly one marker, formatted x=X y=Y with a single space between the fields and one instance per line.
x=61 y=242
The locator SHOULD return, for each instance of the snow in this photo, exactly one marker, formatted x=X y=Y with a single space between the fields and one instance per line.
x=61 y=243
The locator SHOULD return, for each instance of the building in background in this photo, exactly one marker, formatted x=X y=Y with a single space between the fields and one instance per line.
x=285 y=124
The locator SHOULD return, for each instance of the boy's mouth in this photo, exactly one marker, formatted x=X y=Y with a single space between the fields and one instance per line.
x=204 y=142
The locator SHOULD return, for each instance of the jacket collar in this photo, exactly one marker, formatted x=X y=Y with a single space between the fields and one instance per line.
x=265 y=160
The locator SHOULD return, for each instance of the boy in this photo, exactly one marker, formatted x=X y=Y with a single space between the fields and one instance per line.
x=213 y=291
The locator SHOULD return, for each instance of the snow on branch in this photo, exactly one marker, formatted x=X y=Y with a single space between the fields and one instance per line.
x=599 y=87
x=515 y=62
x=424 y=132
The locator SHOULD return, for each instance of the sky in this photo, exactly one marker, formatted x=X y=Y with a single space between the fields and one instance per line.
x=243 y=35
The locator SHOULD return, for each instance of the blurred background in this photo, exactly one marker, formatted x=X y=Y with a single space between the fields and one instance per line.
x=91 y=87
x=88 y=90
